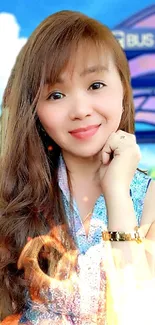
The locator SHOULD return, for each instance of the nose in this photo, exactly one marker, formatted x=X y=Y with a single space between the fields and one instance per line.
x=81 y=108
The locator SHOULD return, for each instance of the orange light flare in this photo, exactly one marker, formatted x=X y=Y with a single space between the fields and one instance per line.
x=85 y=199
x=65 y=274
x=50 y=148
x=127 y=290
x=11 y=320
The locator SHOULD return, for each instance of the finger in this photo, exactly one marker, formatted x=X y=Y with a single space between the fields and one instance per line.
x=120 y=142
x=111 y=144
x=105 y=158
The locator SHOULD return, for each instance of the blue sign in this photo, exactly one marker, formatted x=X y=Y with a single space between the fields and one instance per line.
x=136 y=39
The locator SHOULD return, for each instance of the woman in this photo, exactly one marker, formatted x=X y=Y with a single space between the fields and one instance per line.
x=70 y=184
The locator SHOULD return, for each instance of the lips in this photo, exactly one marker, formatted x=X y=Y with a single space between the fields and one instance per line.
x=85 y=133
x=91 y=127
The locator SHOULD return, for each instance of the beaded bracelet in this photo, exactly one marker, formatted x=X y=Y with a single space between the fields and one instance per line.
x=122 y=236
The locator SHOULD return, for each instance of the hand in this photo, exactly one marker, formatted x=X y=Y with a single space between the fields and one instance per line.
x=119 y=160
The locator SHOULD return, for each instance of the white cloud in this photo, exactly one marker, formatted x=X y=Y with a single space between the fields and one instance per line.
x=10 y=45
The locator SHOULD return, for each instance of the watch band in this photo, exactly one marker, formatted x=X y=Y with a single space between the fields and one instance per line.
x=122 y=236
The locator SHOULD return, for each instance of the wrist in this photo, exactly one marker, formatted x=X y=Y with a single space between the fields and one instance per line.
x=120 y=210
x=118 y=192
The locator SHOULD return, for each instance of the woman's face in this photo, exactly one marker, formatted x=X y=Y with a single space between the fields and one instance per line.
x=84 y=106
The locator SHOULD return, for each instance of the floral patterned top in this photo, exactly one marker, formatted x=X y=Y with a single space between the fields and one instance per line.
x=85 y=303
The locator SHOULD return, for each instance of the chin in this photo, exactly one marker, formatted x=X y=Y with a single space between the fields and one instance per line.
x=87 y=153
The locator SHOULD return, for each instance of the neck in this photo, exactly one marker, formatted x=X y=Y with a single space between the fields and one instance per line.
x=80 y=168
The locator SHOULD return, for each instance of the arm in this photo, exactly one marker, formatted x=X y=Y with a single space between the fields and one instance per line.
x=115 y=177
x=122 y=218
x=129 y=265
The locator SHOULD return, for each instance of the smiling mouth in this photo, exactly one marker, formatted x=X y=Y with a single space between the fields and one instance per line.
x=85 y=133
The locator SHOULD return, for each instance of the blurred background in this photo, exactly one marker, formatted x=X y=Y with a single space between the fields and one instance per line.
x=133 y=24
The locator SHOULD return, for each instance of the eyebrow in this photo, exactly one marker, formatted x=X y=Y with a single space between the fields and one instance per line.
x=89 y=70
x=95 y=68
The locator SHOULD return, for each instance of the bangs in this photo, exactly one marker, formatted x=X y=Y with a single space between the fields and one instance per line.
x=53 y=47
x=62 y=52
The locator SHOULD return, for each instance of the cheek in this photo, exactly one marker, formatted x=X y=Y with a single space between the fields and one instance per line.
x=111 y=105
x=112 y=112
x=50 y=119
x=53 y=126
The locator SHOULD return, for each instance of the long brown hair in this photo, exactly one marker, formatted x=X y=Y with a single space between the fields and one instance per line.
x=29 y=192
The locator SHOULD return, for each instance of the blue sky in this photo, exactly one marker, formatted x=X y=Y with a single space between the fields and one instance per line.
x=30 y=13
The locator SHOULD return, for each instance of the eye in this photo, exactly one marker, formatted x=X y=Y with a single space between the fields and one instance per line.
x=55 y=95
x=97 y=85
